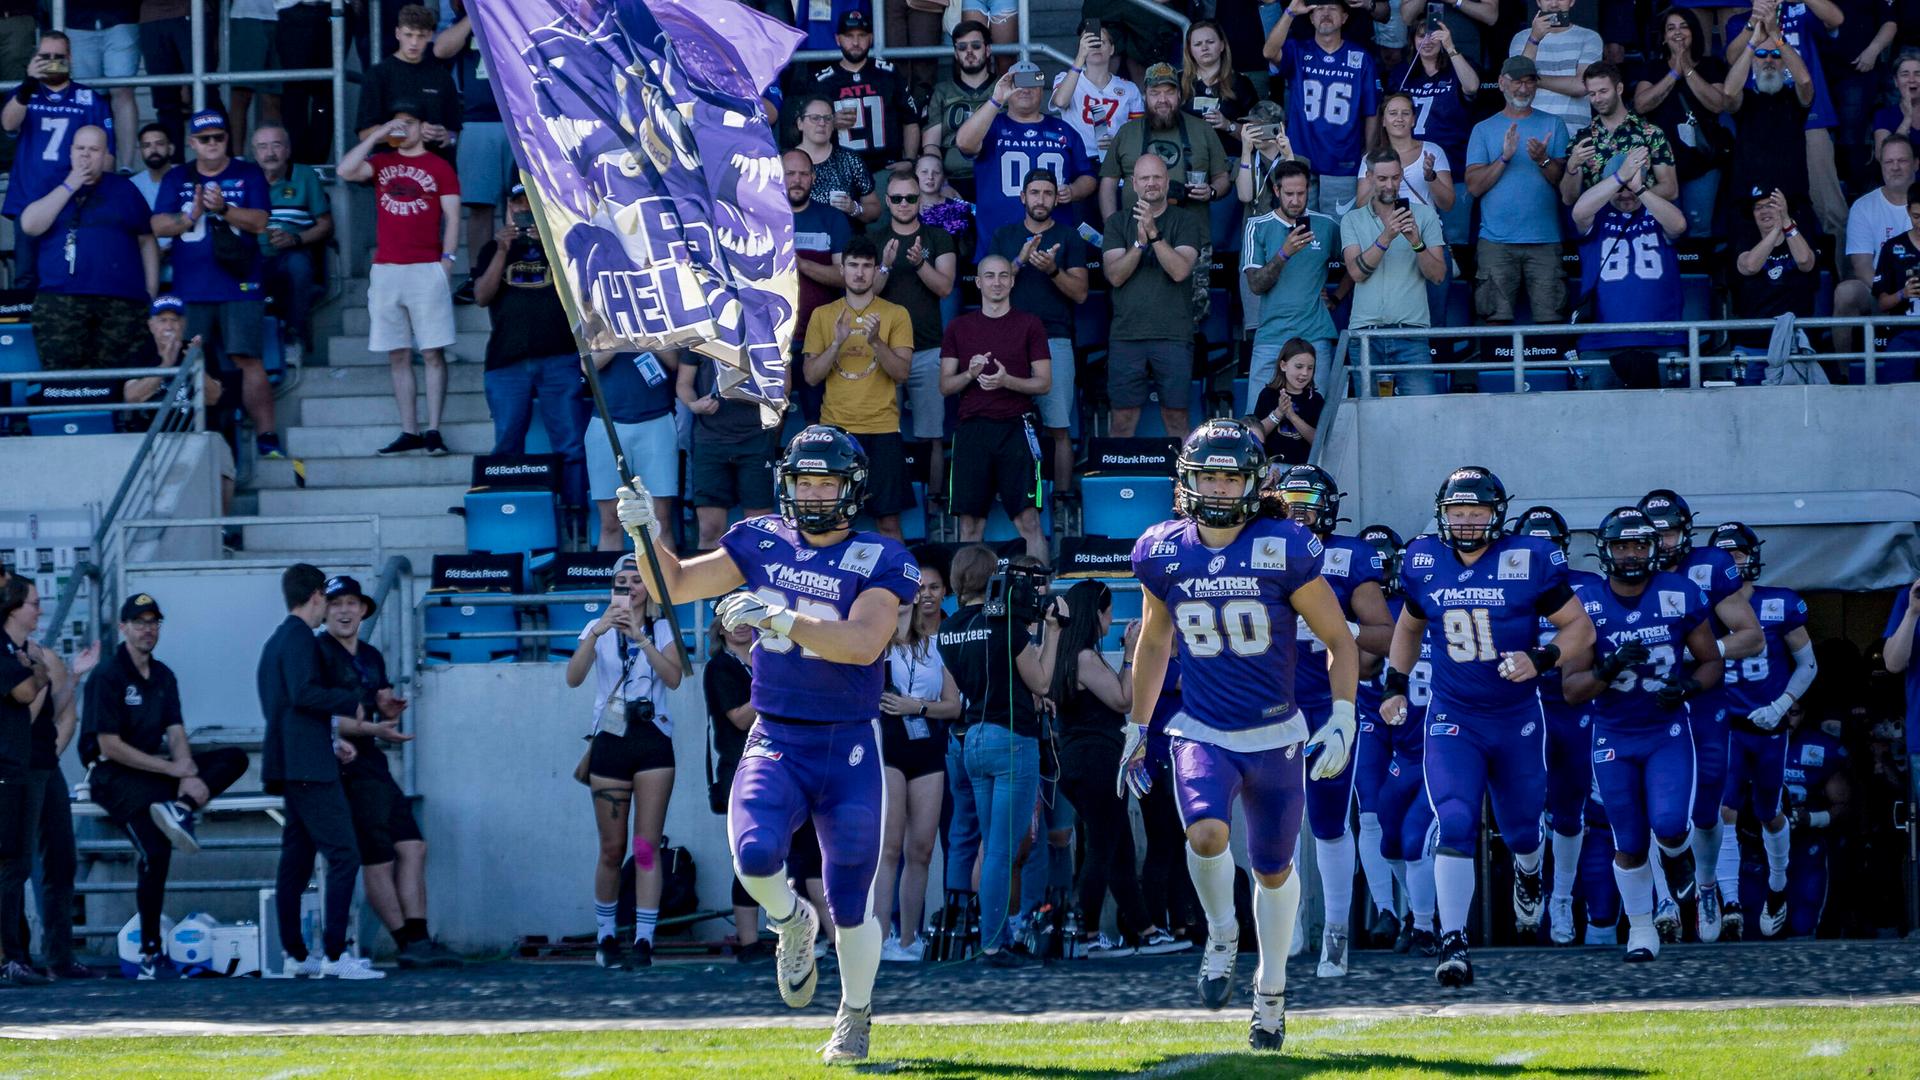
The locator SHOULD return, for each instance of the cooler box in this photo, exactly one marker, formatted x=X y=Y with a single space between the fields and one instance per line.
x=273 y=960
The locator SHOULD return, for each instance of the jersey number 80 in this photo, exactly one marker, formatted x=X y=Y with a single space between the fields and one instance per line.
x=1240 y=625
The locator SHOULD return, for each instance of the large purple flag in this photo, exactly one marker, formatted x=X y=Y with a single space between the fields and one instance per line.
x=638 y=126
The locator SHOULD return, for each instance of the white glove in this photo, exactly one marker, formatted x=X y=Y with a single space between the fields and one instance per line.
x=1333 y=742
x=1768 y=717
x=636 y=510
x=1133 y=765
x=736 y=610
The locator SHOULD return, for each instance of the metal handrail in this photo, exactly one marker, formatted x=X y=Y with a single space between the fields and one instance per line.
x=395 y=575
x=1336 y=382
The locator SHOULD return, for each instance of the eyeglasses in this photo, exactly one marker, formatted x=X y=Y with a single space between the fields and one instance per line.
x=218 y=137
x=817 y=118
x=903 y=200
x=1768 y=54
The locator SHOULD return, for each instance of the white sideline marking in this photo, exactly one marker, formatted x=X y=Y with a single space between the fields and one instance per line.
x=1828 y=1048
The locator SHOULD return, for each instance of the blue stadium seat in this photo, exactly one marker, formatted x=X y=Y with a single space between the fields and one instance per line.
x=71 y=423
x=574 y=617
x=1697 y=298
x=1218 y=328
x=1126 y=606
x=913 y=520
x=471 y=618
x=1153 y=426
x=273 y=353
x=1123 y=506
x=1092 y=319
x=508 y=521
x=1501 y=382
x=18 y=354
x=1243 y=395
x=1000 y=527
x=1823 y=300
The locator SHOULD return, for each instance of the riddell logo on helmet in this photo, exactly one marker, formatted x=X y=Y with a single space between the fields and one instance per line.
x=1225 y=461
x=810 y=463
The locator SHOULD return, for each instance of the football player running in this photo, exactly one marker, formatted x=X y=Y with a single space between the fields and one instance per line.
x=1485 y=590
x=824 y=602
x=1223 y=586
x=1347 y=563
x=1639 y=687
x=1759 y=692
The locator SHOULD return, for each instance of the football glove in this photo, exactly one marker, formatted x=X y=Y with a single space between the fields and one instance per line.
x=1134 y=774
x=746 y=609
x=1675 y=694
x=1619 y=660
x=1333 y=742
x=1767 y=717
x=636 y=510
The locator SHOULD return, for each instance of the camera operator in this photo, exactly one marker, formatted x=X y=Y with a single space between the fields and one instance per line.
x=630 y=651
x=999 y=727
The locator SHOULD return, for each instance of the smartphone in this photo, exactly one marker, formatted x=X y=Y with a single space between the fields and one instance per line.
x=1433 y=17
x=1026 y=79
x=622 y=590
x=1558 y=18
x=1302 y=226
x=1093 y=27
x=523 y=219
x=1402 y=204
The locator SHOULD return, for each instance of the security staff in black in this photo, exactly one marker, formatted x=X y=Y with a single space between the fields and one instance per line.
x=145 y=776
x=393 y=855
x=24 y=676
x=300 y=761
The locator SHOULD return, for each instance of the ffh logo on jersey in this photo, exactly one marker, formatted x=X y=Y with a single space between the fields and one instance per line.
x=1269 y=554
x=1515 y=566
x=1163 y=549
x=1672 y=604
x=1338 y=562
x=1773 y=609
x=1422 y=562
x=1215 y=564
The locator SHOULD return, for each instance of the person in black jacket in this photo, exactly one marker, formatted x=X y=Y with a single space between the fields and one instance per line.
x=301 y=762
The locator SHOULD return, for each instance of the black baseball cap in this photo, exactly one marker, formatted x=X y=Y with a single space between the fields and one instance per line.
x=139 y=605
x=854 y=20
x=342 y=585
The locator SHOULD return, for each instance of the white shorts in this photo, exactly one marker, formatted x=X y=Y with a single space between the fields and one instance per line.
x=652 y=452
x=410 y=305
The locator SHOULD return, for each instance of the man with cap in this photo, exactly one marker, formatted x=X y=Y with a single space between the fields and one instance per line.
x=408 y=74
x=1515 y=159
x=99 y=263
x=226 y=302
x=145 y=776
x=165 y=345
x=1008 y=137
x=874 y=109
x=46 y=111
x=1333 y=98
x=393 y=855
x=304 y=701
x=1187 y=144
x=409 y=290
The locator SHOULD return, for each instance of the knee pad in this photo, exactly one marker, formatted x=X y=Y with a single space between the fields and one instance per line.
x=758 y=855
x=1459 y=825
x=644 y=853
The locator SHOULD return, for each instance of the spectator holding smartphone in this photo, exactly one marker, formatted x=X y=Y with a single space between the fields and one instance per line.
x=1285 y=267
x=1560 y=51
x=1091 y=96
x=1896 y=288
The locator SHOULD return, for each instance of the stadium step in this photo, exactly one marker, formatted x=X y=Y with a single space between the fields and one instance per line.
x=381 y=409
x=436 y=532
x=375 y=380
x=467 y=318
x=346 y=440
x=396 y=501
x=365 y=471
x=346 y=350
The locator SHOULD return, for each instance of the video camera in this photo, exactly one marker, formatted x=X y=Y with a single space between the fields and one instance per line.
x=1017 y=591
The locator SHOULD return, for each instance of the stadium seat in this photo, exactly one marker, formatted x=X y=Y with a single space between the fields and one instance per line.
x=71 y=423
x=18 y=355
x=1126 y=607
x=1000 y=527
x=467 y=619
x=574 y=617
x=1122 y=506
x=1092 y=319
x=1538 y=379
x=508 y=521
x=1697 y=298
x=273 y=354
x=913 y=520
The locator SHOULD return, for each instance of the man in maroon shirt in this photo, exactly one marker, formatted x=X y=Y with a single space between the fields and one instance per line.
x=996 y=359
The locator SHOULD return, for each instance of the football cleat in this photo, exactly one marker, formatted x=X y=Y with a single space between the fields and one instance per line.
x=1421 y=940
x=611 y=954
x=1268 y=1031
x=1773 y=916
x=1643 y=944
x=1528 y=897
x=794 y=968
x=1666 y=921
x=1385 y=930
x=1732 y=920
x=1405 y=939
x=1216 y=970
x=1333 y=953
x=852 y=1028
x=1711 y=918
x=1455 y=967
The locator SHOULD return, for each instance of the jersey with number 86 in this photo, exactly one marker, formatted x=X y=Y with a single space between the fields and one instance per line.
x=1477 y=614
x=1233 y=624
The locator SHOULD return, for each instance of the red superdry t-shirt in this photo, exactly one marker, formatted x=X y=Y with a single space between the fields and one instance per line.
x=407 y=194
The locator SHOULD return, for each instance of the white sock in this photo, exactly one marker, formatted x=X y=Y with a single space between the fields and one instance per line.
x=1778 y=845
x=1729 y=865
x=1213 y=883
x=1636 y=891
x=772 y=893
x=859 y=950
x=1706 y=853
x=1453 y=886
x=1528 y=863
x=1566 y=863
x=1420 y=898
x=644 y=921
x=1399 y=867
x=1379 y=871
x=603 y=916
x=1273 y=913
x=1336 y=877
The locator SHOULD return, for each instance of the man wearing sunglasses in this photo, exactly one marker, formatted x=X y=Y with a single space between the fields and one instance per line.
x=1770 y=113
x=46 y=110
x=956 y=99
x=919 y=267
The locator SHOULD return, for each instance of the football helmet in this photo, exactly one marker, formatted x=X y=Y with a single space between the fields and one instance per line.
x=822 y=450
x=1471 y=485
x=1667 y=510
x=1220 y=446
x=1735 y=536
x=1546 y=523
x=1312 y=498
x=1628 y=525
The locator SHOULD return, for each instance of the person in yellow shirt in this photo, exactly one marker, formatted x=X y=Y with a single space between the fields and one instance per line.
x=861 y=347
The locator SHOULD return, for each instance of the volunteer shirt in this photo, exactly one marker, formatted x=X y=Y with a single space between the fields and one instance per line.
x=902 y=285
x=1011 y=149
x=408 y=190
x=1329 y=97
x=858 y=394
x=980 y=649
x=952 y=103
x=1150 y=306
x=819 y=231
x=1033 y=292
x=40 y=158
x=1014 y=341
x=1094 y=111
x=1293 y=307
x=527 y=317
x=297 y=201
x=197 y=278
x=120 y=701
x=93 y=247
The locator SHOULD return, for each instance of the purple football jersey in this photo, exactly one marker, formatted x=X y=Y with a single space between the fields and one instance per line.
x=1760 y=680
x=1479 y=613
x=1660 y=618
x=1233 y=624
x=789 y=681
x=1347 y=563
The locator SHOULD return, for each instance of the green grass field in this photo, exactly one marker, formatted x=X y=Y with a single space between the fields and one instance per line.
x=1749 y=1044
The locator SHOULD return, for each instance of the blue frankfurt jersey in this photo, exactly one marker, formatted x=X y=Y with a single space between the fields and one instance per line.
x=789 y=680
x=1813 y=756
x=1440 y=113
x=1713 y=572
x=1660 y=618
x=1010 y=150
x=1550 y=683
x=1476 y=614
x=1232 y=618
x=1760 y=680
x=1329 y=97
x=197 y=276
x=1347 y=563
x=1630 y=268
x=41 y=159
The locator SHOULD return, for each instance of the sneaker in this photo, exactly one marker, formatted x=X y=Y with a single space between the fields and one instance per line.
x=1528 y=897
x=852 y=1028
x=1161 y=943
x=610 y=954
x=1710 y=917
x=1268 y=1030
x=267 y=445
x=794 y=967
x=917 y=951
x=1455 y=967
x=753 y=952
x=350 y=967
x=1643 y=944
x=72 y=970
x=175 y=822
x=303 y=969
x=1666 y=921
x=1216 y=970
x=1423 y=941
x=1404 y=940
x=1773 y=915
x=1732 y=919
x=153 y=966
x=20 y=974
x=1102 y=947
x=1560 y=920
x=1385 y=931
x=892 y=953
x=1006 y=959
x=407 y=443
x=429 y=954
x=642 y=955
x=1333 y=952
x=434 y=445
